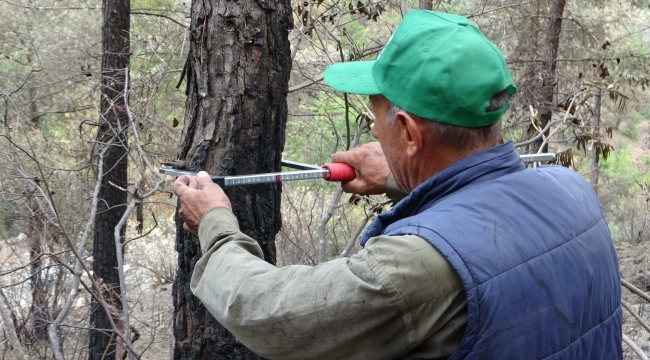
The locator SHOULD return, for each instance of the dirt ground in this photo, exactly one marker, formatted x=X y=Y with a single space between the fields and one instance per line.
x=152 y=317
x=635 y=268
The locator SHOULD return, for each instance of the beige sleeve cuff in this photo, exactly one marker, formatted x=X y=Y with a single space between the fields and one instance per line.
x=218 y=220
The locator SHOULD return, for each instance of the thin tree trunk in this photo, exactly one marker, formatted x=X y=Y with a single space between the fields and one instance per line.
x=38 y=283
x=113 y=124
x=39 y=286
x=593 y=165
x=236 y=110
x=15 y=347
x=549 y=66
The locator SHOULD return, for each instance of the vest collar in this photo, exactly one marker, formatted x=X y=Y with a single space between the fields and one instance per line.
x=474 y=169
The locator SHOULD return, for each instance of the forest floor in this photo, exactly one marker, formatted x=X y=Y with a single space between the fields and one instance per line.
x=152 y=317
x=634 y=263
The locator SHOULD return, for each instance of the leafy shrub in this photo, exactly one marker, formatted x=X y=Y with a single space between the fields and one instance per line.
x=631 y=131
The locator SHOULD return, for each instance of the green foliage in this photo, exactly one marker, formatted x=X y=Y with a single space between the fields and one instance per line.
x=151 y=4
x=631 y=131
x=355 y=34
x=636 y=118
x=314 y=138
x=622 y=192
x=12 y=222
x=618 y=165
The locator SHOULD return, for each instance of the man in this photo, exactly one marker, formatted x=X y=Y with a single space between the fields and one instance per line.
x=483 y=259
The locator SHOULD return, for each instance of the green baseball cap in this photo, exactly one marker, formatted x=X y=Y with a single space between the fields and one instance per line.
x=435 y=65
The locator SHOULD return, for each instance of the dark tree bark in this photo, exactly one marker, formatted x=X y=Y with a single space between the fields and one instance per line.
x=549 y=66
x=593 y=162
x=237 y=83
x=39 y=285
x=112 y=128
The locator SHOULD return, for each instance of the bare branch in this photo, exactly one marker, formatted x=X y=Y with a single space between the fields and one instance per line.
x=139 y=12
x=498 y=8
x=635 y=290
x=635 y=347
x=10 y=331
x=635 y=315
x=72 y=7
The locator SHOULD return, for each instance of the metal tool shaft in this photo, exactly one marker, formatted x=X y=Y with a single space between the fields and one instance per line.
x=255 y=179
x=527 y=158
x=342 y=172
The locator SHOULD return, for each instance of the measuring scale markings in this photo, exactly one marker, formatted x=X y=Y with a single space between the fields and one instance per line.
x=271 y=178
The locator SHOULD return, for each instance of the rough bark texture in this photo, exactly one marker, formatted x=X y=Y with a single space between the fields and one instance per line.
x=237 y=83
x=593 y=163
x=39 y=284
x=113 y=123
x=550 y=65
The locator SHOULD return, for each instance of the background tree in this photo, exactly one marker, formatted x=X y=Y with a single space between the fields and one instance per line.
x=113 y=125
x=237 y=79
x=50 y=92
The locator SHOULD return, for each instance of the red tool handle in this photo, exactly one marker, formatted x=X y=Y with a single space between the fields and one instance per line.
x=340 y=172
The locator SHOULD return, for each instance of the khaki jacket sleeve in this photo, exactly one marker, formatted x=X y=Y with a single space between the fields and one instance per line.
x=392 y=192
x=373 y=305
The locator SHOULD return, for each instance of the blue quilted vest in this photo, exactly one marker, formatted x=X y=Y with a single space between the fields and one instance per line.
x=533 y=251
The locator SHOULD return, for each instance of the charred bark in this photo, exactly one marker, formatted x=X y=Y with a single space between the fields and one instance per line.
x=237 y=83
x=550 y=67
x=111 y=135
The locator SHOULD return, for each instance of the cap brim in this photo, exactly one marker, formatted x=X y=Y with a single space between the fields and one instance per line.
x=353 y=77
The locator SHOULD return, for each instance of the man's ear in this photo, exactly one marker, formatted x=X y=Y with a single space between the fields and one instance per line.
x=411 y=133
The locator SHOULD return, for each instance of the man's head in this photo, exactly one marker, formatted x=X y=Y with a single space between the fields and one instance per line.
x=437 y=66
x=437 y=75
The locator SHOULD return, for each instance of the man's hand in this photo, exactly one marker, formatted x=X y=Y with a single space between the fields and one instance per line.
x=371 y=167
x=197 y=196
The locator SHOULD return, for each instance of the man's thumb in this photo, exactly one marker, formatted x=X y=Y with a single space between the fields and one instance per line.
x=203 y=178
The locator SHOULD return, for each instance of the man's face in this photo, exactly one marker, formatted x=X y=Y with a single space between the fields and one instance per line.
x=389 y=139
x=380 y=106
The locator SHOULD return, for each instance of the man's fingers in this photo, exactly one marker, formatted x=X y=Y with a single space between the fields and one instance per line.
x=203 y=179
x=180 y=185
x=338 y=157
x=354 y=187
x=193 y=184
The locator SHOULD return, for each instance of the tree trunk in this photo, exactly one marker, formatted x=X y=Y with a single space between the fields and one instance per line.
x=549 y=67
x=236 y=110
x=112 y=134
x=593 y=165
x=40 y=308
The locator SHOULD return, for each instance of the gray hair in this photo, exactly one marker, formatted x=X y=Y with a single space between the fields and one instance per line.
x=458 y=136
